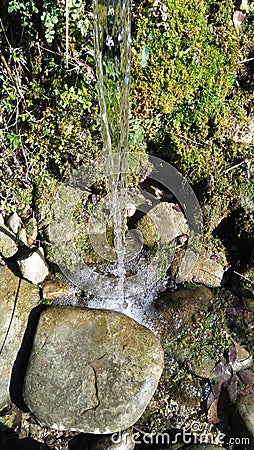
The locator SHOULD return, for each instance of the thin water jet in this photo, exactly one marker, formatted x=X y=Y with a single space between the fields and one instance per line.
x=112 y=30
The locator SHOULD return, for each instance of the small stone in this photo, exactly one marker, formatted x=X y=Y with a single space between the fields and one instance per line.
x=169 y=222
x=8 y=246
x=208 y=272
x=91 y=370
x=130 y=209
x=28 y=298
x=203 y=367
x=34 y=267
x=238 y=18
x=163 y=223
x=205 y=270
x=14 y=223
x=241 y=353
x=54 y=289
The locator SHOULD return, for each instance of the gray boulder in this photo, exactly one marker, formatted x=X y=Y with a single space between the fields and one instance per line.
x=91 y=370
x=8 y=246
x=14 y=223
x=27 y=299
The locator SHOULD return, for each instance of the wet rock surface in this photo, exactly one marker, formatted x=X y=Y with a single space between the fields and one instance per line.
x=177 y=308
x=27 y=298
x=176 y=311
x=189 y=329
x=54 y=289
x=91 y=370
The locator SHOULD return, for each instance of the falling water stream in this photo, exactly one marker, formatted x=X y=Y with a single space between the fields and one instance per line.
x=138 y=272
x=112 y=54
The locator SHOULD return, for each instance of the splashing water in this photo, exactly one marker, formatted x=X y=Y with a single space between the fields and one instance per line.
x=112 y=53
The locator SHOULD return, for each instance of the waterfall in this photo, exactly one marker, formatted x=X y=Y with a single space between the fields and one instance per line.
x=112 y=30
x=132 y=270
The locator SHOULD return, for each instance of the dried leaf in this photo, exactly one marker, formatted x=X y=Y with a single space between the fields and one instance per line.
x=246 y=376
x=213 y=413
x=238 y=18
x=215 y=393
x=232 y=353
x=216 y=389
x=223 y=372
x=232 y=391
x=210 y=400
x=244 y=313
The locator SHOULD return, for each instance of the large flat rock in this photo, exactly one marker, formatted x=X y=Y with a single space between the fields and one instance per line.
x=27 y=299
x=91 y=370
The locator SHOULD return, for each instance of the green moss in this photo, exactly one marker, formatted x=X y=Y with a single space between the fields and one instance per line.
x=148 y=232
x=48 y=113
x=188 y=90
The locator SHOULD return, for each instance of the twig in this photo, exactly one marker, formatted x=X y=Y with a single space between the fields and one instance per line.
x=7 y=68
x=5 y=35
x=245 y=278
x=248 y=164
x=194 y=142
x=245 y=61
x=67 y=33
x=245 y=161
x=12 y=79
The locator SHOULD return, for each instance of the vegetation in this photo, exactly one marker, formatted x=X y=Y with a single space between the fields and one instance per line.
x=191 y=103
x=191 y=97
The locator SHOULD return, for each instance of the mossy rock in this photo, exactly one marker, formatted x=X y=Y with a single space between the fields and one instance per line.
x=79 y=358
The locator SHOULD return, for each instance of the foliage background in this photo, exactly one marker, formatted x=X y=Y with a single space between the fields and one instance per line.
x=191 y=98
